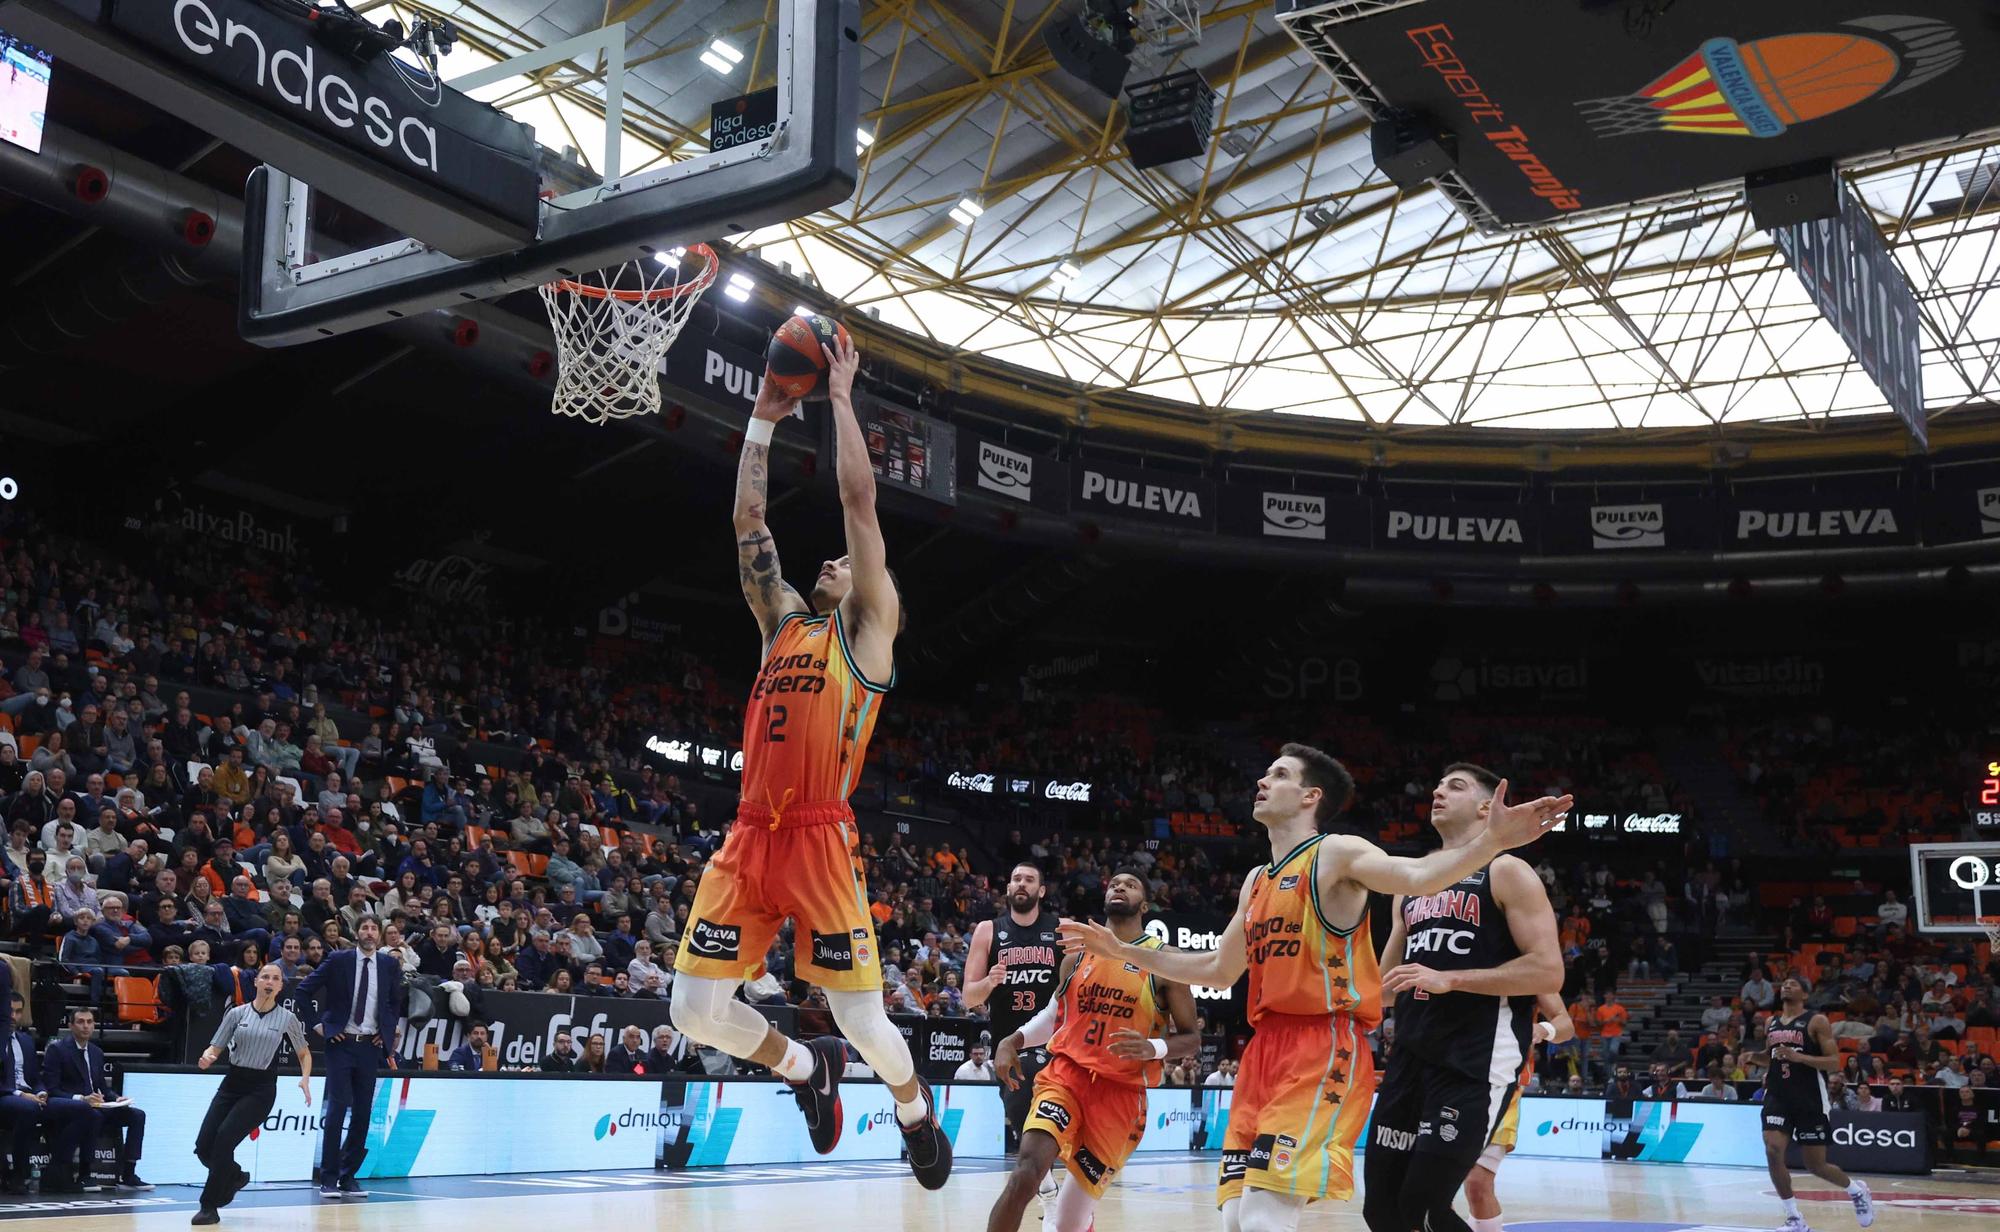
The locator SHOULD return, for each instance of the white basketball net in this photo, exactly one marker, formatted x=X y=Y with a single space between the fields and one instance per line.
x=1991 y=923
x=613 y=329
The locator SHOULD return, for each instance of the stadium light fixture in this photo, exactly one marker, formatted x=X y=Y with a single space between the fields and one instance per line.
x=966 y=211
x=721 y=57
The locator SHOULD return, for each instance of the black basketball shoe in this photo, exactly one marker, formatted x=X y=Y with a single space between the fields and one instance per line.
x=819 y=1095
x=925 y=1145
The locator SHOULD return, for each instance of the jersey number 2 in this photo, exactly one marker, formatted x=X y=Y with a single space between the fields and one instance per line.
x=774 y=731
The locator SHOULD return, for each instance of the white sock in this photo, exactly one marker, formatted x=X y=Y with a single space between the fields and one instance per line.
x=1854 y=1186
x=797 y=1065
x=1486 y=1225
x=911 y=1112
x=1792 y=1209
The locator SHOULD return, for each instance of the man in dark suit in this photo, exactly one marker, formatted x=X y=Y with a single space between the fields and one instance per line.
x=360 y=992
x=21 y=1095
x=628 y=1055
x=470 y=1056
x=73 y=1072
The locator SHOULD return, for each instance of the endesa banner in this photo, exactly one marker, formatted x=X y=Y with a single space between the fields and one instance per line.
x=1707 y=1133
x=419 y=1126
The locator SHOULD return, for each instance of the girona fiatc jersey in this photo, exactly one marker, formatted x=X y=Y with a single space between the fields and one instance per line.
x=1463 y=928
x=811 y=712
x=1300 y=962
x=1104 y=996
x=1787 y=1083
x=1032 y=954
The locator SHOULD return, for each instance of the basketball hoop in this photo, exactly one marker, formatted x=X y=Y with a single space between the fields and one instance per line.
x=613 y=329
x=1991 y=923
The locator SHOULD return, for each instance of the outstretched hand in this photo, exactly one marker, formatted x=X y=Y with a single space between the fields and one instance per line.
x=1084 y=937
x=1517 y=825
x=843 y=360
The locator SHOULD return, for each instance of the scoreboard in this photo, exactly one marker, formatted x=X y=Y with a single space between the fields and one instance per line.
x=908 y=450
x=1986 y=797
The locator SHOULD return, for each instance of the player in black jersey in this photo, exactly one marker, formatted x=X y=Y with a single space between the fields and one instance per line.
x=1801 y=1052
x=1465 y=966
x=1012 y=964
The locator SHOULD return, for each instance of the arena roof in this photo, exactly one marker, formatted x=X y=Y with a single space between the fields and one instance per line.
x=1282 y=273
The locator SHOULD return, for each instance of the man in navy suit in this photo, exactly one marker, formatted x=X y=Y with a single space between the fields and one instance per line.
x=21 y=1095
x=360 y=994
x=73 y=1072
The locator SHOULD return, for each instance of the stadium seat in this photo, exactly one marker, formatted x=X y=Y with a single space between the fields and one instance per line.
x=138 y=999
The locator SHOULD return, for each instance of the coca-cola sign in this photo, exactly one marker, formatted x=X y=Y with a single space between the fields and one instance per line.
x=969 y=781
x=1075 y=793
x=447 y=579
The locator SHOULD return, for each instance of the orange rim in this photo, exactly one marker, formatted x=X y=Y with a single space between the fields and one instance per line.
x=700 y=283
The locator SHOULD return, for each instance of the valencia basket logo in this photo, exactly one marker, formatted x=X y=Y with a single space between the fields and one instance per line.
x=1766 y=87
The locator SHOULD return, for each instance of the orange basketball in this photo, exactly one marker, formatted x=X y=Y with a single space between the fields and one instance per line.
x=1806 y=76
x=796 y=360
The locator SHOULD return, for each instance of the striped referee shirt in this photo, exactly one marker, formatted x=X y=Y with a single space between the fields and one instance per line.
x=251 y=1039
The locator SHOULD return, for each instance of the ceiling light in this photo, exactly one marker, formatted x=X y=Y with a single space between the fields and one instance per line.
x=666 y=255
x=863 y=139
x=721 y=57
x=1065 y=274
x=800 y=310
x=739 y=288
x=965 y=211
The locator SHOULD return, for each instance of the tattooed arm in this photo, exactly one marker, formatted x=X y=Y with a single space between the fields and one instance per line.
x=764 y=587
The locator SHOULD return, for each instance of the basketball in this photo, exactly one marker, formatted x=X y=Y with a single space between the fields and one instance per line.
x=795 y=359
x=1806 y=76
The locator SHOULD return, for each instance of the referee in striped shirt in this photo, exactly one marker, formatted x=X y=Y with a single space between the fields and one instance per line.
x=250 y=1035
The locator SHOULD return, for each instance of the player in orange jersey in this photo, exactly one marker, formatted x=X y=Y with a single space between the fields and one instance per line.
x=1301 y=930
x=1108 y=1029
x=825 y=668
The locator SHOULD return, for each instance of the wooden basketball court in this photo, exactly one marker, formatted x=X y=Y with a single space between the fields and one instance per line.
x=1153 y=1195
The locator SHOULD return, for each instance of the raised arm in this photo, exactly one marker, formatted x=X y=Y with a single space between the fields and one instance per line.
x=1346 y=858
x=871 y=609
x=764 y=586
x=1536 y=970
x=1216 y=968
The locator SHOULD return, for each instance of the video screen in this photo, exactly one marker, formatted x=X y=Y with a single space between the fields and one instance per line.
x=24 y=92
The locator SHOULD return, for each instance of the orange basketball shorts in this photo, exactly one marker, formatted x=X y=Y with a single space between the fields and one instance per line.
x=1096 y=1122
x=1292 y=1123
x=804 y=870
